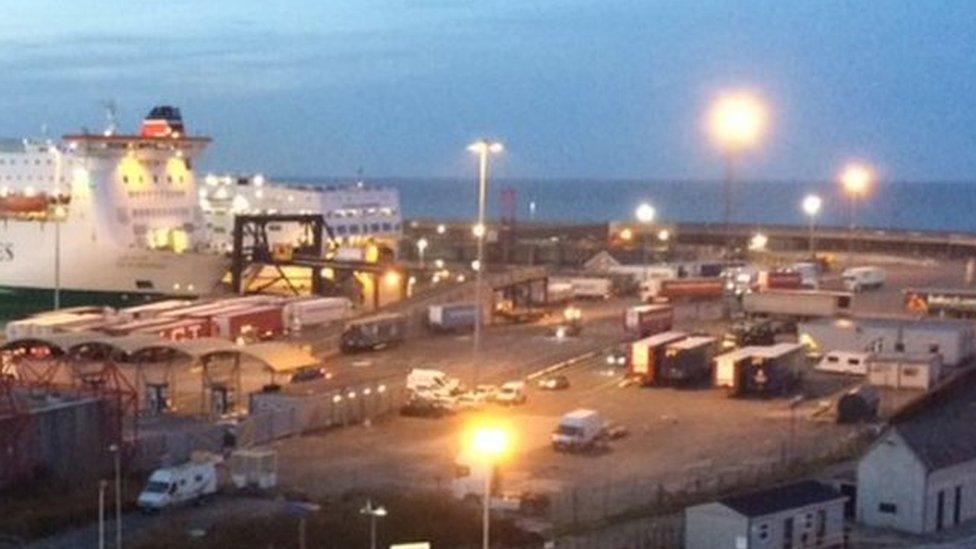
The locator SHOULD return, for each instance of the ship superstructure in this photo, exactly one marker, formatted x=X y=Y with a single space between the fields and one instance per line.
x=105 y=214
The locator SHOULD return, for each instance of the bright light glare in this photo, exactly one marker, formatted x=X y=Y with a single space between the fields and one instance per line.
x=478 y=230
x=737 y=120
x=626 y=234
x=645 y=213
x=856 y=178
x=663 y=235
x=490 y=442
x=422 y=244
x=812 y=204
x=391 y=278
x=441 y=229
x=758 y=241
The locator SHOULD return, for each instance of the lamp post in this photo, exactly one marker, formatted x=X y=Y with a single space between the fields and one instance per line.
x=645 y=214
x=491 y=443
x=59 y=213
x=483 y=148
x=118 y=494
x=421 y=248
x=102 y=487
x=856 y=180
x=811 y=206
x=373 y=513
x=736 y=121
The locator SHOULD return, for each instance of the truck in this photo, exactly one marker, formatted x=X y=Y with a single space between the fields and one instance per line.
x=316 y=311
x=253 y=323
x=687 y=361
x=691 y=288
x=190 y=481
x=857 y=279
x=558 y=293
x=373 y=332
x=430 y=381
x=763 y=371
x=781 y=279
x=590 y=287
x=943 y=302
x=797 y=303
x=578 y=430
x=452 y=317
x=647 y=320
x=644 y=356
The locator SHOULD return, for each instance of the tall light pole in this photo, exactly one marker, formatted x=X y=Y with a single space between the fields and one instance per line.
x=736 y=122
x=483 y=148
x=373 y=513
x=811 y=206
x=645 y=214
x=59 y=213
x=491 y=443
x=421 y=248
x=116 y=450
x=856 y=180
x=102 y=487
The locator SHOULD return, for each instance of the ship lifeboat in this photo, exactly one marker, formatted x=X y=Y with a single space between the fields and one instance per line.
x=22 y=204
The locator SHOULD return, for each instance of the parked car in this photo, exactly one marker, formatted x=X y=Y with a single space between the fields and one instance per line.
x=617 y=357
x=554 y=383
x=310 y=374
x=423 y=407
x=512 y=392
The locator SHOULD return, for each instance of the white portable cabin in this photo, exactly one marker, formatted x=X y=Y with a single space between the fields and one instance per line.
x=845 y=362
x=904 y=372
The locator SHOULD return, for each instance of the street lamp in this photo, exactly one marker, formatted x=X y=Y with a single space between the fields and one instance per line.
x=373 y=513
x=441 y=229
x=736 y=121
x=421 y=248
x=856 y=179
x=645 y=214
x=491 y=443
x=483 y=148
x=114 y=449
x=811 y=206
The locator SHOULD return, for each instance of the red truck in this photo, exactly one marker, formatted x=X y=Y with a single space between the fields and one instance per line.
x=784 y=280
x=692 y=288
x=647 y=320
x=256 y=323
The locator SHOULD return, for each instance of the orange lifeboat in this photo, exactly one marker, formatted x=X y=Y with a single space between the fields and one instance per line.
x=22 y=204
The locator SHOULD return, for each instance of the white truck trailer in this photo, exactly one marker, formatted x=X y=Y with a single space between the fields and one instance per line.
x=797 y=303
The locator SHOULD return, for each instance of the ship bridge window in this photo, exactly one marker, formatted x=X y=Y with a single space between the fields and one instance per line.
x=386 y=227
x=144 y=284
x=353 y=229
x=375 y=227
x=340 y=229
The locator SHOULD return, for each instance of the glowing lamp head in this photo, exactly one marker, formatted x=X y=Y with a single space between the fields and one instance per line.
x=737 y=121
x=645 y=213
x=441 y=229
x=758 y=242
x=478 y=230
x=812 y=204
x=422 y=244
x=626 y=234
x=485 y=147
x=856 y=179
x=664 y=235
x=490 y=442
x=392 y=278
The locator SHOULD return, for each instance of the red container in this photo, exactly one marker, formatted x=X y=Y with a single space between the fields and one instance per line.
x=182 y=330
x=646 y=320
x=784 y=280
x=644 y=355
x=257 y=323
x=677 y=288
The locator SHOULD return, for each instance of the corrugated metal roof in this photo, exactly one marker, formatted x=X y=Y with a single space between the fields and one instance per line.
x=940 y=431
x=280 y=357
x=781 y=498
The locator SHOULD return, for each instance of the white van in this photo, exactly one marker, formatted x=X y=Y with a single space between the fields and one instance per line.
x=844 y=362
x=577 y=430
x=427 y=380
x=857 y=279
x=172 y=485
x=809 y=274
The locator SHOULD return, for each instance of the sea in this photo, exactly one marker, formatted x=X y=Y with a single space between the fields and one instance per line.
x=948 y=207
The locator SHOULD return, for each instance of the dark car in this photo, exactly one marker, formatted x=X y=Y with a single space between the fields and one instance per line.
x=419 y=407
x=310 y=374
x=554 y=383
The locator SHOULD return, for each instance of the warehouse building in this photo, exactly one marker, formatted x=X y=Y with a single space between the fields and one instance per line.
x=802 y=514
x=953 y=340
x=931 y=450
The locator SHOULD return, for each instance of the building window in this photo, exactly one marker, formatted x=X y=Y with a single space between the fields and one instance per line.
x=375 y=227
x=763 y=532
x=821 y=525
x=934 y=348
x=889 y=508
x=957 y=507
x=899 y=347
x=386 y=227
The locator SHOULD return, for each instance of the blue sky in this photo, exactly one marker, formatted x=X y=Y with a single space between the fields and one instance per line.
x=613 y=89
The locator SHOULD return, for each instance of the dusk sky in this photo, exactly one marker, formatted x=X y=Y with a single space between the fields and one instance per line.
x=607 y=89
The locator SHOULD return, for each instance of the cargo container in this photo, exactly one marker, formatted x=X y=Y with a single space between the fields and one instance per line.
x=150 y=310
x=952 y=339
x=254 y=323
x=647 y=320
x=373 y=332
x=944 y=302
x=141 y=326
x=452 y=317
x=782 y=279
x=797 y=303
x=558 y=293
x=180 y=330
x=900 y=371
x=763 y=371
x=316 y=311
x=46 y=324
x=587 y=287
x=644 y=356
x=691 y=288
x=687 y=361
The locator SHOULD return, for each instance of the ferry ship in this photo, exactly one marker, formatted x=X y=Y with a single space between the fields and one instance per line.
x=103 y=218
x=110 y=219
